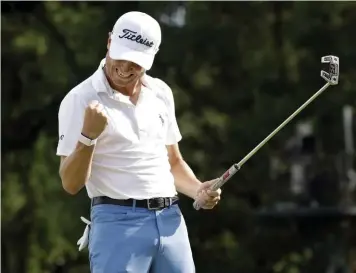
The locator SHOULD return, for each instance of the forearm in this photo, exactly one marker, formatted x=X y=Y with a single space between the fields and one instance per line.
x=75 y=169
x=185 y=179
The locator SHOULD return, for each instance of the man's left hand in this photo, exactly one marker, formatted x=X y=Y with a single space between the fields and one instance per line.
x=207 y=198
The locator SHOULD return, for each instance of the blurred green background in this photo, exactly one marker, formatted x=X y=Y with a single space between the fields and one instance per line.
x=237 y=70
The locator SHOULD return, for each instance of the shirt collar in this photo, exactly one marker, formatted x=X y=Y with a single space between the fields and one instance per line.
x=99 y=81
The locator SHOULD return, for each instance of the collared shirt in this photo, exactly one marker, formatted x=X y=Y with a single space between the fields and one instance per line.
x=130 y=157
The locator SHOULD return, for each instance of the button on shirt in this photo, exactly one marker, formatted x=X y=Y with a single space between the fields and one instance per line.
x=130 y=157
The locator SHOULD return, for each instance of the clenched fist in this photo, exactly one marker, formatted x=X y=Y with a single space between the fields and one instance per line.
x=95 y=120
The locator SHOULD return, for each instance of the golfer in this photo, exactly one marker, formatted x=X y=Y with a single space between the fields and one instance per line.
x=118 y=137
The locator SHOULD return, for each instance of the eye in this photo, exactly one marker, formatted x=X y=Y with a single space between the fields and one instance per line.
x=135 y=66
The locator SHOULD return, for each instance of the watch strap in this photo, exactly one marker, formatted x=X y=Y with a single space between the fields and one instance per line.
x=86 y=140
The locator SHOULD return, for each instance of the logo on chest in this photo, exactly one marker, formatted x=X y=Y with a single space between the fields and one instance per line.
x=162 y=119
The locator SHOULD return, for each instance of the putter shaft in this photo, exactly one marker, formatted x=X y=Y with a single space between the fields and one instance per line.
x=234 y=168
x=284 y=123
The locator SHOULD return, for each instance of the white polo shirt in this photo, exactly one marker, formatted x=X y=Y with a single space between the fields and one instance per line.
x=130 y=158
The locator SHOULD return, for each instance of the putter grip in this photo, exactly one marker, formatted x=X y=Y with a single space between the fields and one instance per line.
x=221 y=181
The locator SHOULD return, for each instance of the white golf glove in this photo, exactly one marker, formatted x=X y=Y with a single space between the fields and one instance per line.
x=84 y=240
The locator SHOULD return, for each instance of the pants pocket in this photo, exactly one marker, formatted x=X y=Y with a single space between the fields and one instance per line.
x=108 y=213
x=177 y=210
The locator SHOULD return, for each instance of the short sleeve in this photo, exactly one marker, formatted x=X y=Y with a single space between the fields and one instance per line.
x=70 y=123
x=173 y=133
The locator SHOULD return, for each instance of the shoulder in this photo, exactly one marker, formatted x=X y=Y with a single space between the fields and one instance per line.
x=163 y=86
x=162 y=89
x=80 y=95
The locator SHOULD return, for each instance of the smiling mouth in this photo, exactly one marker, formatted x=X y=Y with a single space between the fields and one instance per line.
x=125 y=75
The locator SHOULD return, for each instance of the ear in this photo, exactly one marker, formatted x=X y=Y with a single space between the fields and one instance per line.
x=109 y=41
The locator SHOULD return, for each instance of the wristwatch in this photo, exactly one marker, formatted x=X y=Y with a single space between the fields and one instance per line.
x=86 y=140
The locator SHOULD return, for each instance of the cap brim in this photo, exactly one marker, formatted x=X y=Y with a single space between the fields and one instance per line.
x=119 y=52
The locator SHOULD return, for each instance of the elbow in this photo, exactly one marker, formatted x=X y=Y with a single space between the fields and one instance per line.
x=70 y=189
x=174 y=161
x=68 y=186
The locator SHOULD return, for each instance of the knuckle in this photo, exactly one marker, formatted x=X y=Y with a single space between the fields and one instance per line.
x=93 y=104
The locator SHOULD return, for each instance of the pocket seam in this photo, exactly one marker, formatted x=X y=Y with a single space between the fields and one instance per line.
x=177 y=210
x=106 y=216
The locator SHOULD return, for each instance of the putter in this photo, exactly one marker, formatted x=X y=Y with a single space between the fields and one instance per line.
x=331 y=78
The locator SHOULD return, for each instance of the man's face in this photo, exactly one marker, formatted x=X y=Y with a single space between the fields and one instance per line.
x=122 y=73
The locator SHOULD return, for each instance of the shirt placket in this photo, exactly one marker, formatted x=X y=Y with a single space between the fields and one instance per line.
x=140 y=116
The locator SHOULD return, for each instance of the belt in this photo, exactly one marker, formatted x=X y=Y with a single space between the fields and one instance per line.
x=151 y=204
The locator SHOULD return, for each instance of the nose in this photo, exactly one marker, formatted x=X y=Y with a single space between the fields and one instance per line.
x=127 y=67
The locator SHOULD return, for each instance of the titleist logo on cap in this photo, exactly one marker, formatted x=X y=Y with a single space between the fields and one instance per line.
x=131 y=35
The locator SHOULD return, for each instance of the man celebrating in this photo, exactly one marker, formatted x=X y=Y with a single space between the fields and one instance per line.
x=118 y=136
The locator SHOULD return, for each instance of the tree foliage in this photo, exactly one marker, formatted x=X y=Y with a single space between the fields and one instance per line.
x=237 y=69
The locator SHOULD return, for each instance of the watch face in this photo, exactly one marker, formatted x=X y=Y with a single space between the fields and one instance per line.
x=90 y=142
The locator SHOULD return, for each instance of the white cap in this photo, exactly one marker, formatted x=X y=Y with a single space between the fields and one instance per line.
x=136 y=37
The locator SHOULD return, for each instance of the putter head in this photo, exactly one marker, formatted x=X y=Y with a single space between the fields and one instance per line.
x=332 y=76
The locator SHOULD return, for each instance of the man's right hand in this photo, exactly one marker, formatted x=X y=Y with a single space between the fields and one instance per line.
x=95 y=120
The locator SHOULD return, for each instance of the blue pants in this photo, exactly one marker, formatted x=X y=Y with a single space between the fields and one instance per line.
x=137 y=240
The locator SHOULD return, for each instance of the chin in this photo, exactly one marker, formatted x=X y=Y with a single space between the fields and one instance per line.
x=125 y=84
x=126 y=93
x=120 y=84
